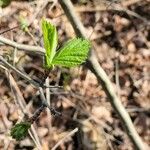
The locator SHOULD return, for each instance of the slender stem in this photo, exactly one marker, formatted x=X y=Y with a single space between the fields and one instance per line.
x=63 y=139
x=8 y=29
x=9 y=66
x=27 y=48
x=27 y=78
x=37 y=114
x=53 y=111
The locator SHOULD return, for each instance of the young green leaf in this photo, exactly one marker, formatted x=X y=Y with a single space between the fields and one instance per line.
x=73 y=53
x=50 y=42
x=4 y=3
x=20 y=130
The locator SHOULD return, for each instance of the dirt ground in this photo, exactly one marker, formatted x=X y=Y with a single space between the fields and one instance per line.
x=120 y=34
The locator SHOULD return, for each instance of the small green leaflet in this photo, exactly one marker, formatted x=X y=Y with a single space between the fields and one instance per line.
x=73 y=53
x=20 y=130
x=50 y=41
x=4 y=3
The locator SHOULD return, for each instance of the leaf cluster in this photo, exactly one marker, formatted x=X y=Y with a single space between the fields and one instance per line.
x=72 y=53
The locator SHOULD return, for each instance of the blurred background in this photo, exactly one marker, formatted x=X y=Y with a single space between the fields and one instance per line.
x=119 y=31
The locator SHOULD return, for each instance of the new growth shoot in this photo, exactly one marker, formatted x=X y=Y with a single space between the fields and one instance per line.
x=71 y=54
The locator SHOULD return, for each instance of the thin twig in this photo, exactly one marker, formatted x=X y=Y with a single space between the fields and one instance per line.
x=8 y=29
x=64 y=139
x=115 y=7
x=32 y=132
x=48 y=98
x=53 y=111
x=9 y=66
x=27 y=48
x=16 y=92
x=116 y=65
x=27 y=78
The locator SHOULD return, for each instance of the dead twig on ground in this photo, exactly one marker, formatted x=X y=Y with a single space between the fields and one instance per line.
x=66 y=137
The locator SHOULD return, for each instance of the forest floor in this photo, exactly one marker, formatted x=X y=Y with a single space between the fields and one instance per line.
x=120 y=35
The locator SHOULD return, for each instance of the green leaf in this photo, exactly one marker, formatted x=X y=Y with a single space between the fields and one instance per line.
x=4 y=3
x=50 y=42
x=73 y=53
x=20 y=130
